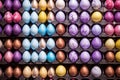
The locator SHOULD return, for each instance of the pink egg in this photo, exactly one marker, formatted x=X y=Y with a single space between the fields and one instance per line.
x=16 y=17
x=1 y=4
x=109 y=30
x=8 y=56
x=8 y=17
x=0 y=56
x=117 y=30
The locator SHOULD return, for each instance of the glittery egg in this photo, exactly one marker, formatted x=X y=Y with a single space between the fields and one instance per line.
x=60 y=71
x=26 y=5
x=34 y=43
x=26 y=30
x=96 y=16
x=96 y=30
x=60 y=16
x=110 y=44
x=73 y=56
x=73 y=44
x=27 y=72
x=26 y=17
x=34 y=17
x=34 y=30
x=73 y=4
x=42 y=30
x=26 y=56
x=42 y=43
x=34 y=56
x=109 y=29
x=84 y=17
x=84 y=5
x=50 y=43
x=50 y=29
x=42 y=56
x=96 y=56
x=26 y=44
x=96 y=71
x=84 y=30
x=42 y=17
x=51 y=56
x=73 y=17
x=96 y=43
x=73 y=30
x=85 y=43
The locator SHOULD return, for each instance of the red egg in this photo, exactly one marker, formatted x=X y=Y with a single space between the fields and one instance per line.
x=117 y=4
x=117 y=30
x=109 y=29
x=16 y=17
x=8 y=17
x=109 y=4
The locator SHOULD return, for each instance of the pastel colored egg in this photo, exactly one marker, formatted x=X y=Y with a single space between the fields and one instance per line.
x=50 y=43
x=73 y=44
x=96 y=4
x=26 y=56
x=51 y=17
x=42 y=30
x=26 y=5
x=60 y=4
x=84 y=17
x=85 y=56
x=117 y=56
x=50 y=5
x=96 y=30
x=110 y=44
x=96 y=43
x=84 y=5
x=50 y=29
x=96 y=16
x=109 y=29
x=34 y=57
x=8 y=57
x=117 y=30
x=34 y=17
x=84 y=30
x=35 y=72
x=26 y=44
x=60 y=71
x=42 y=17
x=73 y=56
x=34 y=43
x=26 y=30
x=43 y=72
x=34 y=30
x=73 y=29
x=42 y=43
x=96 y=71
x=34 y=4
x=51 y=72
x=85 y=43
x=27 y=72
x=96 y=56
x=42 y=56
x=51 y=56
x=73 y=4
x=60 y=16
x=42 y=5
x=26 y=17
x=73 y=17
x=117 y=44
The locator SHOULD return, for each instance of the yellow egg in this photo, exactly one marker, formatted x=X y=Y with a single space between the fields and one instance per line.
x=118 y=44
x=117 y=56
x=96 y=16
x=43 y=72
x=42 y=17
x=42 y=5
x=60 y=71
x=110 y=44
x=27 y=72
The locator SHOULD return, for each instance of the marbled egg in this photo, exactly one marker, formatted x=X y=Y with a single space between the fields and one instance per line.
x=26 y=44
x=34 y=30
x=27 y=72
x=96 y=43
x=43 y=72
x=42 y=30
x=26 y=30
x=34 y=44
x=34 y=57
x=73 y=56
x=42 y=56
x=96 y=30
x=51 y=56
x=50 y=29
x=34 y=17
x=60 y=16
x=26 y=5
x=84 y=30
x=84 y=5
x=60 y=71
x=73 y=44
x=42 y=17
x=96 y=4
x=26 y=56
x=73 y=17
x=96 y=71
x=85 y=43
x=84 y=17
x=73 y=30
x=73 y=4
x=109 y=44
x=26 y=17
x=50 y=43
x=84 y=56
x=42 y=43
x=118 y=44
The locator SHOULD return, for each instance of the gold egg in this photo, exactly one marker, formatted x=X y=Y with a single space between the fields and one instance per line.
x=60 y=71
x=51 y=72
x=50 y=5
x=50 y=17
x=110 y=44
x=9 y=72
x=43 y=72
x=117 y=56
x=118 y=44
x=96 y=16
x=42 y=17
x=42 y=43
x=42 y=5
x=110 y=56
x=35 y=72
x=34 y=4
x=8 y=44
x=27 y=72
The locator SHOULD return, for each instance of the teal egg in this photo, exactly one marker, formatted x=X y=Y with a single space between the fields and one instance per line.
x=26 y=56
x=34 y=17
x=26 y=30
x=51 y=56
x=42 y=56
x=34 y=30
x=26 y=5
x=50 y=29
x=50 y=43
x=34 y=57
x=26 y=17
x=34 y=44
x=26 y=44
x=42 y=30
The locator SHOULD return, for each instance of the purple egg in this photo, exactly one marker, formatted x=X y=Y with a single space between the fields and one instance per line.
x=73 y=44
x=0 y=29
x=73 y=30
x=16 y=29
x=84 y=17
x=8 y=4
x=84 y=4
x=60 y=16
x=96 y=56
x=85 y=43
x=17 y=56
x=117 y=16
x=73 y=4
x=85 y=56
x=0 y=56
x=16 y=4
x=109 y=16
x=8 y=30
x=73 y=56
x=96 y=43
x=73 y=17
x=96 y=30
x=0 y=16
x=85 y=30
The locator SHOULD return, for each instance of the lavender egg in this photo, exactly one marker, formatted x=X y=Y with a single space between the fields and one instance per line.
x=26 y=56
x=73 y=4
x=85 y=43
x=60 y=16
x=34 y=17
x=26 y=30
x=50 y=43
x=96 y=71
x=117 y=16
x=96 y=56
x=73 y=30
x=26 y=44
x=96 y=4
x=73 y=44
x=26 y=17
x=16 y=29
x=73 y=56
x=73 y=17
x=109 y=16
x=84 y=17
x=84 y=4
x=42 y=56
x=96 y=43
x=34 y=57
x=8 y=29
x=17 y=56
x=85 y=56
x=85 y=30
x=96 y=30
x=34 y=30
x=34 y=44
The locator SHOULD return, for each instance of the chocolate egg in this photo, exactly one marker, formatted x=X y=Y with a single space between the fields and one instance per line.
x=73 y=4
x=34 y=30
x=26 y=56
x=17 y=56
x=73 y=17
x=60 y=43
x=35 y=72
x=51 y=72
x=96 y=16
x=50 y=29
x=117 y=30
x=96 y=56
x=60 y=56
x=51 y=56
x=34 y=4
x=50 y=5
x=117 y=71
x=42 y=5
x=84 y=30
x=8 y=56
x=84 y=5
x=27 y=72
x=84 y=71
x=60 y=71
x=117 y=56
x=110 y=56
x=50 y=43
x=73 y=44
x=60 y=16
x=110 y=44
x=43 y=72
x=34 y=44
x=85 y=43
x=8 y=44
x=9 y=72
x=96 y=43
x=109 y=71
x=84 y=56
x=1 y=44
x=51 y=17
x=42 y=30
x=42 y=56
x=117 y=44
x=42 y=43
x=34 y=17
x=8 y=30
x=26 y=5
x=17 y=44
x=26 y=44
x=96 y=30
x=96 y=71
x=96 y=4
x=42 y=17
x=26 y=30
x=73 y=56
x=73 y=30
x=17 y=72
x=34 y=57
x=16 y=29
x=60 y=29
x=26 y=16
x=73 y=71
x=60 y=4
x=109 y=29
x=84 y=17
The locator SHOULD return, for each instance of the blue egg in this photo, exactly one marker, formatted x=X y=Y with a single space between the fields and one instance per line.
x=34 y=57
x=51 y=56
x=50 y=43
x=50 y=29
x=34 y=44
x=34 y=17
x=34 y=30
x=42 y=56
x=42 y=30
x=26 y=44
x=26 y=17
x=26 y=30
x=26 y=56
x=26 y=5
